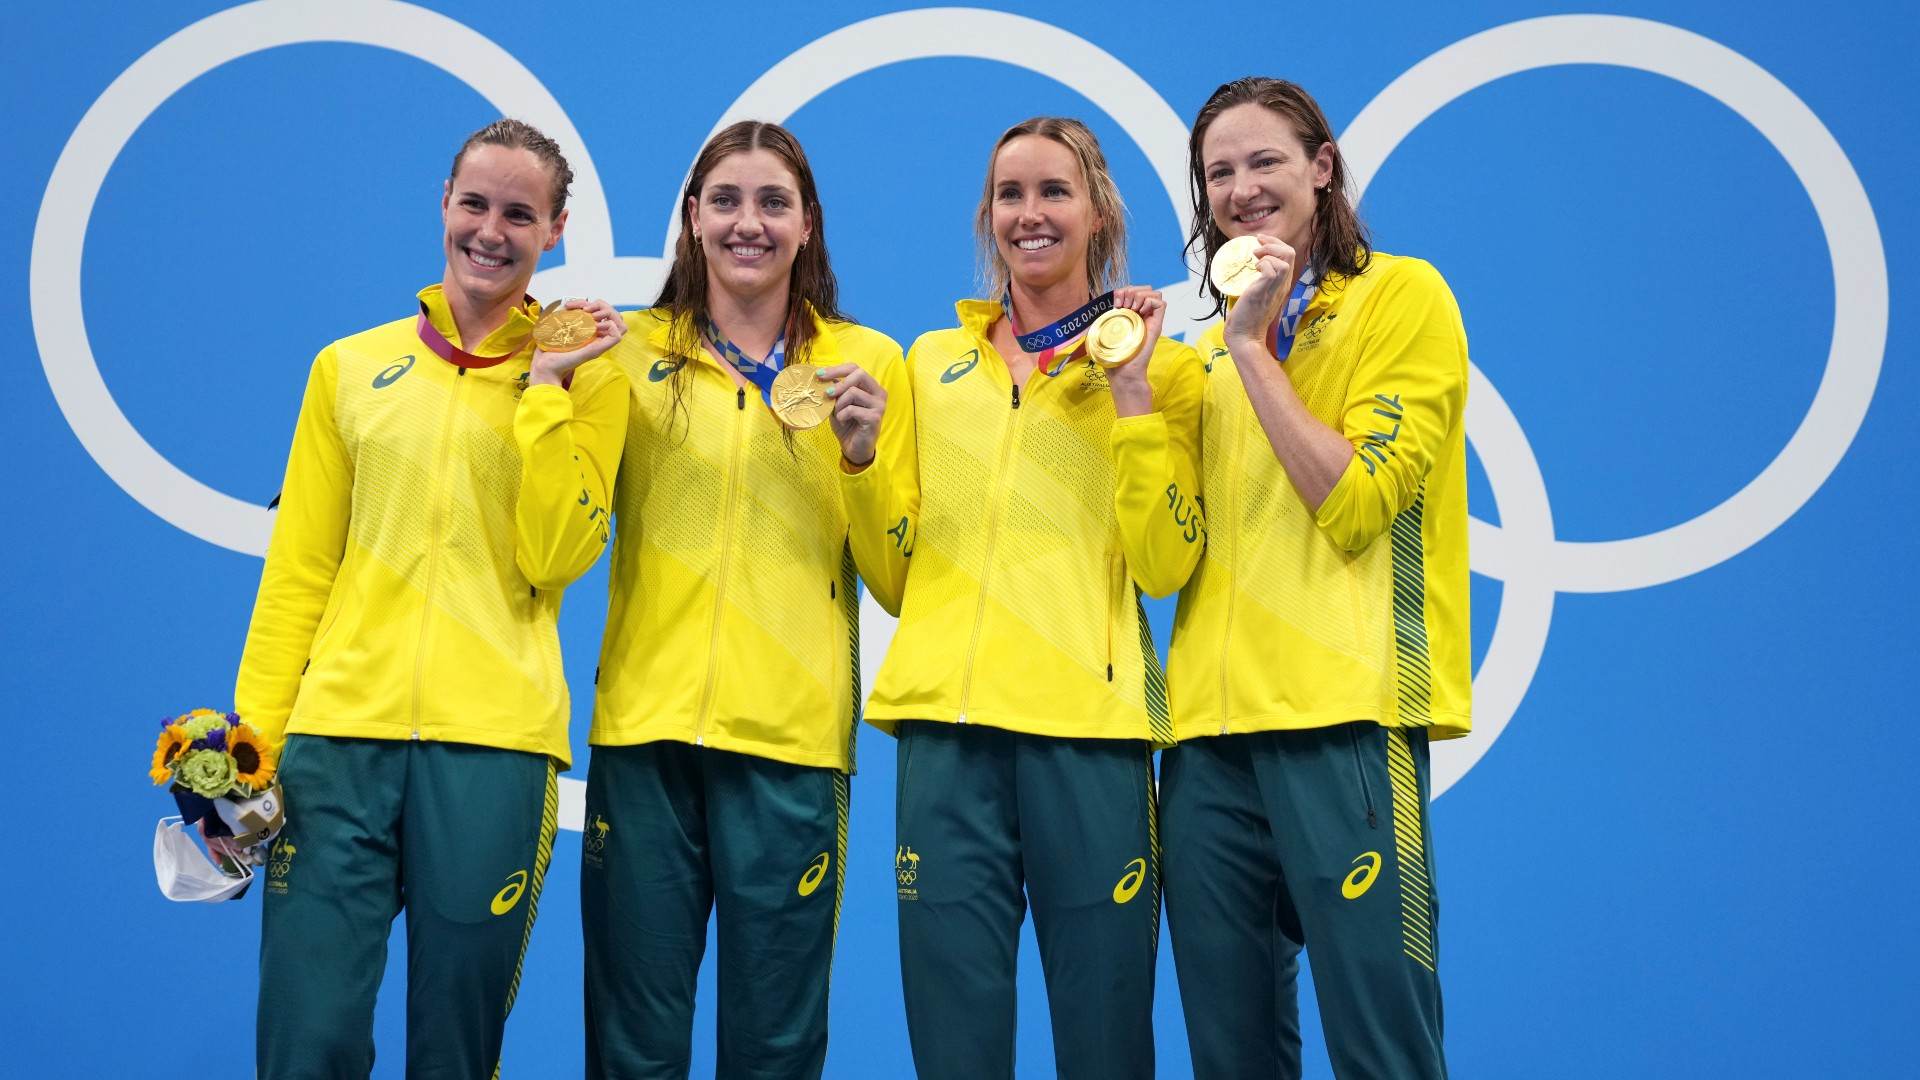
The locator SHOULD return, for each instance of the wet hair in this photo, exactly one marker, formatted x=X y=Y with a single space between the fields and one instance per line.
x=812 y=284
x=1340 y=241
x=1106 y=249
x=520 y=135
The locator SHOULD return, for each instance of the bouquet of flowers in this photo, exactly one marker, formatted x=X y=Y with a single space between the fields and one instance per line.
x=221 y=773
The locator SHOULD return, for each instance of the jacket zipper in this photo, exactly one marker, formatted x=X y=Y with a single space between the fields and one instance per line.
x=1112 y=611
x=1232 y=534
x=439 y=498
x=1360 y=769
x=986 y=569
x=726 y=560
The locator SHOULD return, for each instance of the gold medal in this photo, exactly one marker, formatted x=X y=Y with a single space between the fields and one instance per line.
x=1235 y=268
x=799 y=397
x=1115 y=336
x=564 y=329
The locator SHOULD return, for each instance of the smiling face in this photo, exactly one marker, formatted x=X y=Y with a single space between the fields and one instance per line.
x=751 y=223
x=496 y=211
x=1260 y=177
x=1043 y=216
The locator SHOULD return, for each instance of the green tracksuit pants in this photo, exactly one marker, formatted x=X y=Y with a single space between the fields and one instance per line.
x=459 y=836
x=1275 y=840
x=674 y=832
x=989 y=823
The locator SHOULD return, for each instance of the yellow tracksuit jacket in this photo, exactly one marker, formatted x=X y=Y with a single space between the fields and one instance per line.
x=1016 y=535
x=1359 y=612
x=430 y=517
x=734 y=616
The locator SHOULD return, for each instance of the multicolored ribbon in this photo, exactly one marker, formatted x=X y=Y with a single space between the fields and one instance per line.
x=1059 y=337
x=1288 y=321
x=759 y=372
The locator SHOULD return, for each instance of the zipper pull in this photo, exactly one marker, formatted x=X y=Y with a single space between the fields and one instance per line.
x=1016 y=397
x=461 y=370
x=743 y=397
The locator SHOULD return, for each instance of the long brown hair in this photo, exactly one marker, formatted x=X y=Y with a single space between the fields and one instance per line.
x=684 y=295
x=1106 y=249
x=1340 y=241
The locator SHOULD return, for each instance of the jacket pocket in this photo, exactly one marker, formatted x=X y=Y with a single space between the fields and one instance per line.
x=1360 y=768
x=337 y=598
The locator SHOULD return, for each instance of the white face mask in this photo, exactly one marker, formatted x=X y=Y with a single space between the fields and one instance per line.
x=185 y=872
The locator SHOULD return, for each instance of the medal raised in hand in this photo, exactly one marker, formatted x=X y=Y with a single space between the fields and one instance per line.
x=1235 y=267
x=563 y=329
x=1116 y=336
x=799 y=399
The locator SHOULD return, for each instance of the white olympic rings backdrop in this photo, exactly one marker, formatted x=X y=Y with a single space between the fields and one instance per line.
x=1522 y=552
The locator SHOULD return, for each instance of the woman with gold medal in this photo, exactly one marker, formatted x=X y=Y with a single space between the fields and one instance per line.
x=1324 y=638
x=448 y=478
x=1056 y=443
x=724 y=722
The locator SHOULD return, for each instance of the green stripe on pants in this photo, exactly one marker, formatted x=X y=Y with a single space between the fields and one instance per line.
x=458 y=836
x=1318 y=837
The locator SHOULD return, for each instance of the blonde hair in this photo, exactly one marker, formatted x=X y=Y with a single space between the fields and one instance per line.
x=1106 y=250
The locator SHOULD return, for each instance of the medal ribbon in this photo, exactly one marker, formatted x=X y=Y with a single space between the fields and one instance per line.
x=448 y=351
x=1288 y=321
x=758 y=372
x=1059 y=337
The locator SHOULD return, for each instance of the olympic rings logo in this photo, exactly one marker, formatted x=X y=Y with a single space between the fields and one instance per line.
x=1522 y=551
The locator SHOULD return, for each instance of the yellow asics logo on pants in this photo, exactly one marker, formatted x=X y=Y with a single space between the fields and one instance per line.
x=504 y=900
x=1361 y=879
x=1129 y=882
x=816 y=873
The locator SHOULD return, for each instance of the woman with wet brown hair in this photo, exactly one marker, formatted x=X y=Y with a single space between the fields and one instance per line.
x=724 y=723
x=1324 y=639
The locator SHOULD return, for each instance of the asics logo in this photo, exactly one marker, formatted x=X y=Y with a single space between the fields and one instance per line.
x=961 y=366
x=663 y=368
x=393 y=372
x=1366 y=868
x=816 y=873
x=504 y=900
x=1129 y=882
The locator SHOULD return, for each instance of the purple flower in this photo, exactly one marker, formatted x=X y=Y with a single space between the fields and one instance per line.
x=216 y=739
x=233 y=719
x=166 y=722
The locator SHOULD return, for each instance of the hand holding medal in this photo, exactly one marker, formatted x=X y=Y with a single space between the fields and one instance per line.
x=1259 y=271
x=569 y=334
x=1123 y=340
x=859 y=404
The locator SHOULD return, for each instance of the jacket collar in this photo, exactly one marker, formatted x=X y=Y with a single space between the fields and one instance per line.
x=513 y=336
x=823 y=352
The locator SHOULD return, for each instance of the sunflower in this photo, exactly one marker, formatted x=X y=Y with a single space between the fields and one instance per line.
x=253 y=761
x=173 y=740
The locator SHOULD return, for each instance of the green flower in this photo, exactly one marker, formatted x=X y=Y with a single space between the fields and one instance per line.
x=198 y=726
x=208 y=773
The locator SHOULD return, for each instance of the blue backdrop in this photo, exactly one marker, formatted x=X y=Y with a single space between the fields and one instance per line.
x=1680 y=841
